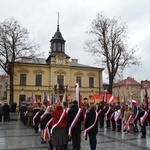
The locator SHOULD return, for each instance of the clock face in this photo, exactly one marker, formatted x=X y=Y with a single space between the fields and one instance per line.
x=60 y=61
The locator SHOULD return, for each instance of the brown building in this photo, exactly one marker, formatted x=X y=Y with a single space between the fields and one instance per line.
x=126 y=87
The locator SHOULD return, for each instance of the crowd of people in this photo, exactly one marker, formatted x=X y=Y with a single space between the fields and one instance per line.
x=5 y=110
x=64 y=122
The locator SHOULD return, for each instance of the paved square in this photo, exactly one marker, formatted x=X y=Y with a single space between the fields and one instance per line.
x=15 y=136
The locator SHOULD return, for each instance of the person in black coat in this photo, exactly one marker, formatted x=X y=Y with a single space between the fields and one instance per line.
x=36 y=109
x=76 y=130
x=102 y=115
x=91 y=120
x=23 y=109
x=145 y=123
x=42 y=122
x=6 y=109
x=112 y=118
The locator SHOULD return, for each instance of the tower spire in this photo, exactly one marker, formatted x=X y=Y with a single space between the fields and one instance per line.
x=58 y=19
x=58 y=23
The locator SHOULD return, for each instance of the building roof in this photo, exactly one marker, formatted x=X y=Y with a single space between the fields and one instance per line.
x=127 y=82
x=29 y=60
x=42 y=61
x=54 y=53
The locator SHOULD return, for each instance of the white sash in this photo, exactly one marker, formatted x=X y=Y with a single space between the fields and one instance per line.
x=35 y=117
x=74 y=121
x=143 y=118
x=60 y=119
x=91 y=127
x=128 y=122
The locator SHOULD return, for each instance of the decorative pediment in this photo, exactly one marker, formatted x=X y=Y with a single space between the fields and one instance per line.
x=23 y=70
x=40 y=71
x=60 y=56
x=91 y=74
x=60 y=71
x=78 y=73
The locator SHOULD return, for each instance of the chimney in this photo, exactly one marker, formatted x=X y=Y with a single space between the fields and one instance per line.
x=74 y=61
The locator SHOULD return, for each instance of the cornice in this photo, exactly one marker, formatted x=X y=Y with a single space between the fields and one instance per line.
x=91 y=74
x=23 y=70
x=60 y=66
x=78 y=73
x=38 y=71
x=60 y=71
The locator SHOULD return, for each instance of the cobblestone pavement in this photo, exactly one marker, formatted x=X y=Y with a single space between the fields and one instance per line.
x=15 y=136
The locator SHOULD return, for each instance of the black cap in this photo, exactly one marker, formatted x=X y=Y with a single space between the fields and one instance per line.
x=75 y=102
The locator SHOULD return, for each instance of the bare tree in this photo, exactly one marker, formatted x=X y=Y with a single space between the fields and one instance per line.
x=14 y=44
x=108 y=45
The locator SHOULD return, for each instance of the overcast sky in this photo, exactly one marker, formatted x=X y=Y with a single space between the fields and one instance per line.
x=40 y=18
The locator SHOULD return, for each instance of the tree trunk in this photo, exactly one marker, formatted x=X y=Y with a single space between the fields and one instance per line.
x=110 y=85
x=11 y=89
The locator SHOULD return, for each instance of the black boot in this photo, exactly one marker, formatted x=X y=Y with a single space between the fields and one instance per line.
x=50 y=146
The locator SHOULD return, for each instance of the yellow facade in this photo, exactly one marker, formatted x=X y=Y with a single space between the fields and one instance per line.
x=57 y=64
x=49 y=79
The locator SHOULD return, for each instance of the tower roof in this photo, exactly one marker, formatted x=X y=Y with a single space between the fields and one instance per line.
x=58 y=35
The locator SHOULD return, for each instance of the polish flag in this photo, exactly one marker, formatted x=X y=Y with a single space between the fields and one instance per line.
x=78 y=96
x=48 y=101
x=33 y=99
x=131 y=98
x=111 y=100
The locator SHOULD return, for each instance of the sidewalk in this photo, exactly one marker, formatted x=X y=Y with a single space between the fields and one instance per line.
x=15 y=136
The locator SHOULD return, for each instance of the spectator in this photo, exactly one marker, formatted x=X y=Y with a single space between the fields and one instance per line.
x=13 y=107
x=6 y=110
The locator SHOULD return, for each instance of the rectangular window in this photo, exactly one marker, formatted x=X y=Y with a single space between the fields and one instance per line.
x=22 y=79
x=38 y=81
x=91 y=82
x=79 y=81
x=60 y=81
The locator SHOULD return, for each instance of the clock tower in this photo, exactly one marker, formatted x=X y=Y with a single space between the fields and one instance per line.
x=57 y=47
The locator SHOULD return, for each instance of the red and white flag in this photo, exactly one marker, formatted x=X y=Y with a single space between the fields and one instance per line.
x=57 y=98
x=111 y=99
x=65 y=97
x=78 y=96
x=105 y=97
x=48 y=101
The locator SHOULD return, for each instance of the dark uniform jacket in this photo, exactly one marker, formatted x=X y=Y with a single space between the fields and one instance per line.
x=90 y=119
x=71 y=115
